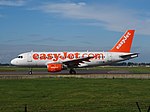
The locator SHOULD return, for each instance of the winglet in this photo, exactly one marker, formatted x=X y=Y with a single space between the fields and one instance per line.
x=125 y=42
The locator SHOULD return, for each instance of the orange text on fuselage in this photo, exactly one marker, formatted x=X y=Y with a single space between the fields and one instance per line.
x=67 y=55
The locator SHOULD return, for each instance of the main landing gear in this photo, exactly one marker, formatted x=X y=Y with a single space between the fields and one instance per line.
x=72 y=71
x=30 y=71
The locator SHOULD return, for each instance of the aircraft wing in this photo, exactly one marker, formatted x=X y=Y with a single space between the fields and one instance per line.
x=76 y=62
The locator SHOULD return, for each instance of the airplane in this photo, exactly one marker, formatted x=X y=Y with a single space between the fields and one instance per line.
x=58 y=61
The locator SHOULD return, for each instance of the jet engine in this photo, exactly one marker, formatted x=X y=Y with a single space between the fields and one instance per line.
x=54 y=67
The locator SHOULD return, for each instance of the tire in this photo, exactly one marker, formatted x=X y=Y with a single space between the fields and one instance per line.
x=72 y=71
x=30 y=72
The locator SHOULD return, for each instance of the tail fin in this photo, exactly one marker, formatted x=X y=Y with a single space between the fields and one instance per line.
x=125 y=42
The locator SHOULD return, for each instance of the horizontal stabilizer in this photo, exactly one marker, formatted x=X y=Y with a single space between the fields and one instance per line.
x=129 y=56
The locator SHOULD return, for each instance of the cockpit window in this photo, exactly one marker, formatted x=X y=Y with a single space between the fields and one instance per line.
x=20 y=56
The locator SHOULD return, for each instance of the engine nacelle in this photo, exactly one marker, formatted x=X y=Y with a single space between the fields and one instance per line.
x=54 y=67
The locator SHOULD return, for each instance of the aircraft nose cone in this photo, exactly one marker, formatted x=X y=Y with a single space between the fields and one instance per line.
x=13 y=62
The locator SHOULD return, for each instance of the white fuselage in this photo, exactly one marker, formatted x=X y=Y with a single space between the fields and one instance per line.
x=34 y=59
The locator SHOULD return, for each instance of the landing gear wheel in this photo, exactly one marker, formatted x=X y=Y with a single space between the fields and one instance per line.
x=30 y=72
x=72 y=71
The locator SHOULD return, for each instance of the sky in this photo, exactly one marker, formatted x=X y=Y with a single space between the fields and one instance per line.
x=72 y=25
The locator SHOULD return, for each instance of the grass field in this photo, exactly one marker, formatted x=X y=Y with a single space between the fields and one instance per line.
x=74 y=95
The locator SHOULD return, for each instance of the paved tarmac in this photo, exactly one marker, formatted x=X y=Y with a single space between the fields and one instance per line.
x=81 y=73
x=64 y=72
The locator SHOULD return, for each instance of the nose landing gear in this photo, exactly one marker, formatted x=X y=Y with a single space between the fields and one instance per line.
x=30 y=71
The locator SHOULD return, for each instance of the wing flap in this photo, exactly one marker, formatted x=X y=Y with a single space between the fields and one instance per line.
x=76 y=62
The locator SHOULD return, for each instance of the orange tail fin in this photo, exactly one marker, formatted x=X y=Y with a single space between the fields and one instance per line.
x=125 y=42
